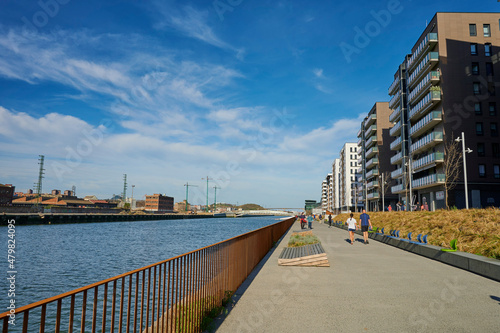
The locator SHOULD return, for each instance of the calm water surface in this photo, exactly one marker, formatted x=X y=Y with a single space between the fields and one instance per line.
x=52 y=259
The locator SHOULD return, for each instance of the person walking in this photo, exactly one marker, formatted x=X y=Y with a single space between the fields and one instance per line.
x=302 y=221
x=389 y=208
x=364 y=221
x=309 y=221
x=351 y=227
x=329 y=220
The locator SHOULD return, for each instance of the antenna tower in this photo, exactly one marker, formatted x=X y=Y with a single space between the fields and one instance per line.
x=124 y=196
x=38 y=185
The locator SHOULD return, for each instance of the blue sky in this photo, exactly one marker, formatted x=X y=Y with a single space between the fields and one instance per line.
x=258 y=95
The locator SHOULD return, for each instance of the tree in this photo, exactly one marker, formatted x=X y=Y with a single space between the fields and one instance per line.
x=452 y=162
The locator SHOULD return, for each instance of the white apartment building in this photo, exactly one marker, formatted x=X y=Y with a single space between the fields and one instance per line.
x=348 y=171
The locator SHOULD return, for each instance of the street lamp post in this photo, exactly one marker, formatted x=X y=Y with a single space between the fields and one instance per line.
x=468 y=150
x=382 y=185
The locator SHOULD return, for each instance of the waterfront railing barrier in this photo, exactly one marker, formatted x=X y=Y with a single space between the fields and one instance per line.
x=174 y=295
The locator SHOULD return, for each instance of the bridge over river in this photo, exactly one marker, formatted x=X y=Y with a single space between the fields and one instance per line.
x=367 y=288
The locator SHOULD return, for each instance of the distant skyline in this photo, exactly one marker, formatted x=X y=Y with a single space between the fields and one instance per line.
x=260 y=96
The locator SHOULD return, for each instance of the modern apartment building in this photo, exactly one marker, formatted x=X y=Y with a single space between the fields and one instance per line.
x=335 y=185
x=348 y=166
x=449 y=84
x=159 y=203
x=374 y=172
x=324 y=194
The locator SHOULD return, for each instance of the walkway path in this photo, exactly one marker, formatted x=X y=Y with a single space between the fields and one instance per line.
x=367 y=288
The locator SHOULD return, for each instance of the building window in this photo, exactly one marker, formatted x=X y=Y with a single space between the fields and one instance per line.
x=493 y=109
x=473 y=49
x=494 y=129
x=496 y=171
x=480 y=149
x=475 y=68
x=477 y=88
x=487 y=49
x=482 y=170
x=477 y=109
x=489 y=69
x=472 y=30
x=491 y=88
x=479 y=128
x=495 y=147
x=486 y=30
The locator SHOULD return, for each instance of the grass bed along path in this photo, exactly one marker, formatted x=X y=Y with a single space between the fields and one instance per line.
x=302 y=238
x=477 y=230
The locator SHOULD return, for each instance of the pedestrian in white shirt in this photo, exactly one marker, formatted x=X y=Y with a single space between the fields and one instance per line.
x=351 y=226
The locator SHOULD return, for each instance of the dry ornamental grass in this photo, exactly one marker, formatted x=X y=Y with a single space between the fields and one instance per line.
x=477 y=230
x=302 y=238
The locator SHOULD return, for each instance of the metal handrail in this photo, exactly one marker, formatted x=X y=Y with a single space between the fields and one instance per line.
x=169 y=296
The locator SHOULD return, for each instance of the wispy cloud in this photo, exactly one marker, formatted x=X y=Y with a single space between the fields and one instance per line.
x=193 y=23
x=318 y=72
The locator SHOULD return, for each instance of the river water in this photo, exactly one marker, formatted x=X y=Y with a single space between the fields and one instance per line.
x=52 y=259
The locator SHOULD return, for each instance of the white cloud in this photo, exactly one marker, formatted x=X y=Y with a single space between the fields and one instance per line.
x=318 y=72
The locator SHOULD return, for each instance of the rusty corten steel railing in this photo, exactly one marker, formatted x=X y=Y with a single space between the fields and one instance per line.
x=169 y=296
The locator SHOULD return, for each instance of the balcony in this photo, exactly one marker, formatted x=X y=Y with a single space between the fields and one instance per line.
x=372 y=162
x=370 y=120
x=430 y=40
x=395 y=100
x=360 y=170
x=428 y=101
x=359 y=133
x=431 y=78
x=372 y=184
x=395 y=115
x=397 y=173
x=428 y=161
x=360 y=141
x=397 y=158
x=397 y=189
x=396 y=144
x=371 y=141
x=374 y=195
x=372 y=172
x=370 y=130
x=394 y=86
x=360 y=178
x=396 y=129
x=423 y=67
x=429 y=121
x=428 y=181
x=428 y=141
x=360 y=160
x=372 y=151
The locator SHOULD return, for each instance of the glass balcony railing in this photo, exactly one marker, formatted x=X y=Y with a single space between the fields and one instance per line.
x=372 y=184
x=431 y=37
x=431 y=98
x=394 y=85
x=427 y=141
x=370 y=120
x=373 y=195
x=423 y=66
x=359 y=133
x=395 y=100
x=431 y=78
x=397 y=188
x=373 y=161
x=371 y=141
x=371 y=152
x=395 y=114
x=370 y=130
x=396 y=143
x=428 y=181
x=373 y=172
x=395 y=129
x=396 y=173
x=427 y=160
x=396 y=158
x=426 y=122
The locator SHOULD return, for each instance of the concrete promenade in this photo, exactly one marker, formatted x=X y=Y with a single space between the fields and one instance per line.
x=367 y=288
